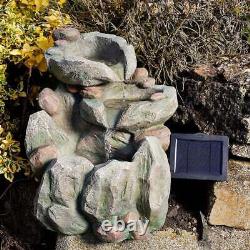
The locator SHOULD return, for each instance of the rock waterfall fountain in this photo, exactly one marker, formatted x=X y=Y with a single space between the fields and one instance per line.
x=99 y=142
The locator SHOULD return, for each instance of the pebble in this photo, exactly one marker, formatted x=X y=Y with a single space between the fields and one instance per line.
x=147 y=83
x=68 y=34
x=49 y=101
x=140 y=73
x=157 y=96
x=42 y=156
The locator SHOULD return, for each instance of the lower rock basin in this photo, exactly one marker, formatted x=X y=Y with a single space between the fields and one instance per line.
x=112 y=189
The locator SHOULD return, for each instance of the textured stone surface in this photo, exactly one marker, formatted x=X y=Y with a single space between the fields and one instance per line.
x=140 y=73
x=118 y=188
x=92 y=147
x=154 y=175
x=216 y=237
x=146 y=114
x=80 y=71
x=94 y=112
x=228 y=238
x=106 y=195
x=57 y=201
x=41 y=157
x=42 y=130
x=162 y=133
x=217 y=99
x=241 y=150
x=99 y=146
x=49 y=101
x=93 y=91
x=157 y=96
x=103 y=105
x=168 y=240
x=116 y=51
x=69 y=34
x=100 y=115
x=90 y=59
x=231 y=199
x=148 y=83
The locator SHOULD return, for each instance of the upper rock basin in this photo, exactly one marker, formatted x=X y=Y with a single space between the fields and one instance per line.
x=91 y=59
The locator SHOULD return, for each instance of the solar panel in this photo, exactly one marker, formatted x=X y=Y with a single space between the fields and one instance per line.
x=199 y=156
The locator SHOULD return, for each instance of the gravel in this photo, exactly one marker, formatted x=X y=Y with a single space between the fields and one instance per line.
x=215 y=238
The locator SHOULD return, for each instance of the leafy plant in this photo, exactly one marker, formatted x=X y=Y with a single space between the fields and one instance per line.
x=10 y=162
x=25 y=33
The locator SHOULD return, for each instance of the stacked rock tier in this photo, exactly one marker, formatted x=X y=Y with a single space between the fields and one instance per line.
x=99 y=141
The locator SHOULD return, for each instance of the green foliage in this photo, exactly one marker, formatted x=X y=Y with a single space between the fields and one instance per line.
x=10 y=162
x=25 y=33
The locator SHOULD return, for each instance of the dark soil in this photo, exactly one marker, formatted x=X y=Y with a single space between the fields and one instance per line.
x=188 y=202
x=19 y=229
x=180 y=218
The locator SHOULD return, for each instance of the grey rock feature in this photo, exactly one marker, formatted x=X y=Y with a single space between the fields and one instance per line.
x=108 y=188
x=90 y=59
x=49 y=101
x=115 y=99
x=42 y=130
x=81 y=71
x=154 y=175
x=93 y=111
x=99 y=146
x=99 y=142
x=92 y=146
x=140 y=73
x=141 y=186
x=146 y=114
x=42 y=156
x=161 y=132
x=112 y=49
x=57 y=200
x=69 y=34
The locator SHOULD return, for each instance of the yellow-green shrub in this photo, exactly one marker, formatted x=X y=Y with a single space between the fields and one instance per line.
x=25 y=33
x=10 y=162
